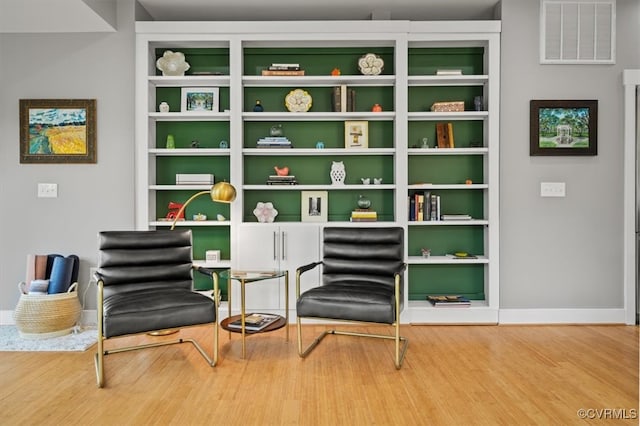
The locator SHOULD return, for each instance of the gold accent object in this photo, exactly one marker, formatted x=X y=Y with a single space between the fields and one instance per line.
x=221 y=192
x=247 y=277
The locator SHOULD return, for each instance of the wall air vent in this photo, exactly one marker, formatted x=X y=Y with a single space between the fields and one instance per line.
x=577 y=32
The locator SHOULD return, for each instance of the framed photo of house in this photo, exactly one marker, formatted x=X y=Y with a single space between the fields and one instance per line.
x=57 y=130
x=356 y=134
x=200 y=100
x=563 y=127
x=314 y=206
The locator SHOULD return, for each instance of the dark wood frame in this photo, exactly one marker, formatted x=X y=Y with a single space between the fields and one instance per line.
x=592 y=124
x=90 y=130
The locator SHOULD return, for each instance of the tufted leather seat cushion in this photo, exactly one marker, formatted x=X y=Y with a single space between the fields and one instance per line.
x=358 y=280
x=148 y=282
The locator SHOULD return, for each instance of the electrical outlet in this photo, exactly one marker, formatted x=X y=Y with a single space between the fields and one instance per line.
x=47 y=190
x=552 y=189
x=92 y=272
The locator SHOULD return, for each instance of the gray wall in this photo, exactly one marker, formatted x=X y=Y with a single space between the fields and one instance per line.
x=90 y=197
x=561 y=252
x=556 y=253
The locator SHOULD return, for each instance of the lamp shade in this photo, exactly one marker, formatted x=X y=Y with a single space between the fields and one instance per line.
x=223 y=192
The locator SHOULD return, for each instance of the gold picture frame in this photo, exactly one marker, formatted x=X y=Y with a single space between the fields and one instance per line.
x=57 y=131
x=356 y=134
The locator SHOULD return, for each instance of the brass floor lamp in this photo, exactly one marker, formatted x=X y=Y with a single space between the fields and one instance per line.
x=221 y=192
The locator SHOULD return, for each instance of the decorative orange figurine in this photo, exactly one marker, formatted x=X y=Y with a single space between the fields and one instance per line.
x=376 y=108
x=284 y=171
x=468 y=181
x=335 y=72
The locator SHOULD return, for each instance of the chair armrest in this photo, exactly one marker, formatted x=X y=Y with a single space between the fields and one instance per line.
x=211 y=273
x=401 y=269
x=204 y=271
x=302 y=270
x=308 y=267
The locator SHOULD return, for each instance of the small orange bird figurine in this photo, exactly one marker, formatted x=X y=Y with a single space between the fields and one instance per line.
x=281 y=171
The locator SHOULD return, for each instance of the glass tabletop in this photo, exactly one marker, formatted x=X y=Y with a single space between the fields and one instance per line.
x=251 y=275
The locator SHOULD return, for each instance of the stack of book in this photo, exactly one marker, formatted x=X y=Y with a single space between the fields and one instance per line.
x=283 y=70
x=254 y=322
x=282 y=180
x=424 y=206
x=274 y=142
x=449 y=72
x=343 y=99
x=449 y=301
x=194 y=179
x=455 y=217
x=364 y=215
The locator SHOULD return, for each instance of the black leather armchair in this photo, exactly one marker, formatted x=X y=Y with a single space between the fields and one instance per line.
x=145 y=284
x=361 y=280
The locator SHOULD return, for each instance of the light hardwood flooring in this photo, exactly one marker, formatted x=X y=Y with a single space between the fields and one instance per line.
x=452 y=375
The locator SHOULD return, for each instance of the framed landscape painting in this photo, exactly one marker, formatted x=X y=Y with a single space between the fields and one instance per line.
x=200 y=99
x=568 y=127
x=57 y=130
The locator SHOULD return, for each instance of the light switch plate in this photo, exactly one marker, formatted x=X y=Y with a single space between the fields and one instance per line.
x=552 y=189
x=47 y=190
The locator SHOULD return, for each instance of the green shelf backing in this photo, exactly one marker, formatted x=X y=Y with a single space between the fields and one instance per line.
x=316 y=61
x=422 y=98
x=426 y=61
x=209 y=60
x=340 y=204
x=207 y=133
x=273 y=98
x=168 y=167
x=445 y=169
x=305 y=134
x=202 y=204
x=315 y=170
x=173 y=96
x=466 y=134
x=466 y=280
x=446 y=239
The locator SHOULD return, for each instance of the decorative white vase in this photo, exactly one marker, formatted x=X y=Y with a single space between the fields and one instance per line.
x=338 y=173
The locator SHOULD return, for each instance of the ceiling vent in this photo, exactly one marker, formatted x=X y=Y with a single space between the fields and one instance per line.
x=577 y=32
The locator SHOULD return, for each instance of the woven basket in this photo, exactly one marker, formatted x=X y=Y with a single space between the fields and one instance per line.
x=40 y=316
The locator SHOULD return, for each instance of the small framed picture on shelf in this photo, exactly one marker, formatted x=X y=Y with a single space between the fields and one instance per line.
x=200 y=100
x=314 y=206
x=565 y=127
x=356 y=134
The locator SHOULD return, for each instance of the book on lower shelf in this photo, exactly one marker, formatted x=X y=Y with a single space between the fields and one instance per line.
x=364 y=215
x=456 y=217
x=449 y=300
x=254 y=322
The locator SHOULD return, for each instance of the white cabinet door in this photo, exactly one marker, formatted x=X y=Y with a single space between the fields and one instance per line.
x=268 y=247
x=300 y=246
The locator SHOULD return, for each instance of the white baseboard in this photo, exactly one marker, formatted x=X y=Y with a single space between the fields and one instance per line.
x=562 y=316
x=6 y=318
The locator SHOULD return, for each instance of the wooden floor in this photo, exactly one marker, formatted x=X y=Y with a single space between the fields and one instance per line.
x=452 y=375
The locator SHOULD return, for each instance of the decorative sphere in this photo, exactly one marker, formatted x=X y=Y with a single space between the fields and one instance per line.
x=364 y=202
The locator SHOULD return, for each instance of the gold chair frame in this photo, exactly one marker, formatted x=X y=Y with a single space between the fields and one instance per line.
x=400 y=350
x=101 y=353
